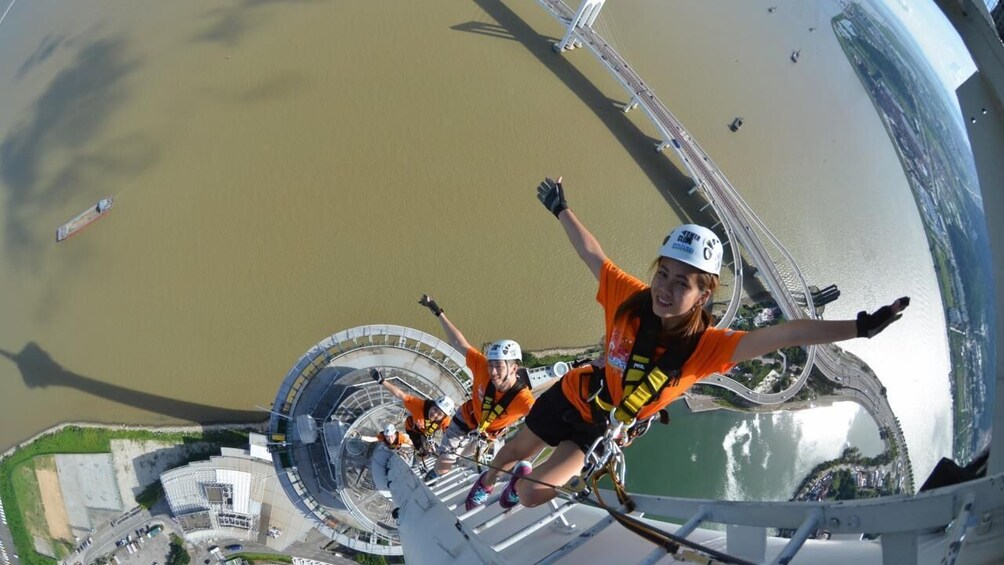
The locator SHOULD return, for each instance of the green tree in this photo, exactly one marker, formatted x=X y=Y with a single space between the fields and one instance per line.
x=844 y=487
x=177 y=554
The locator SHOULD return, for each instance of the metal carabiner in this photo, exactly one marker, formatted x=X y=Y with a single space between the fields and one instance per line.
x=617 y=427
x=620 y=466
x=603 y=447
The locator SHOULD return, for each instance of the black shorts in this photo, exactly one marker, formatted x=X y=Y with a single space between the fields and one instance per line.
x=554 y=420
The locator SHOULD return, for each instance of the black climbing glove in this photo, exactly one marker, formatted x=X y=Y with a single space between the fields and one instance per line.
x=429 y=303
x=552 y=196
x=375 y=375
x=869 y=325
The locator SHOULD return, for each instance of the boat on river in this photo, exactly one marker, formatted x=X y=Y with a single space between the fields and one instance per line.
x=84 y=219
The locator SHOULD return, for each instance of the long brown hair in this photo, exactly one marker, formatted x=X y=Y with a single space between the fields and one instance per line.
x=687 y=333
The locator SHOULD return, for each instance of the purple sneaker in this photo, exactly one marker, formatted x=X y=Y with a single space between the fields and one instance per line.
x=479 y=493
x=509 y=497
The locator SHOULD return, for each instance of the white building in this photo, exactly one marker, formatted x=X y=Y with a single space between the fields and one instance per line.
x=221 y=497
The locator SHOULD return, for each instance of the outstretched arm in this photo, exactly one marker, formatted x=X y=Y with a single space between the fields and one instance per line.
x=453 y=335
x=552 y=195
x=398 y=393
x=378 y=377
x=813 y=332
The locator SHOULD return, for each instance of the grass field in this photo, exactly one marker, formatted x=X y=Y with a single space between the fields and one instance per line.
x=29 y=499
x=19 y=487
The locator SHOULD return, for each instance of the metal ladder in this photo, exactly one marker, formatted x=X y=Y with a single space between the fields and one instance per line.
x=452 y=489
x=499 y=529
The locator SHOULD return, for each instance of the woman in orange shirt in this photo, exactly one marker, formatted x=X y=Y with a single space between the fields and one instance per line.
x=425 y=417
x=498 y=395
x=646 y=324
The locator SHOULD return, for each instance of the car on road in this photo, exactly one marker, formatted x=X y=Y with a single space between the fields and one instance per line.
x=234 y=547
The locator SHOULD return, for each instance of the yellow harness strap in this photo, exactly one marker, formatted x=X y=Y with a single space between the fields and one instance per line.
x=490 y=409
x=639 y=389
x=644 y=378
x=430 y=427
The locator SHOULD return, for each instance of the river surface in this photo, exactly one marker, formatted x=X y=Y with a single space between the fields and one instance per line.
x=285 y=170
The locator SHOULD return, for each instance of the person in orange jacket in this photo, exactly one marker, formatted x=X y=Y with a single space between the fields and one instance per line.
x=425 y=417
x=392 y=438
x=659 y=341
x=499 y=397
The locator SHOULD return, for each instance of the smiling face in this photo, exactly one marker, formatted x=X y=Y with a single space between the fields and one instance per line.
x=676 y=289
x=502 y=373
x=435 y=414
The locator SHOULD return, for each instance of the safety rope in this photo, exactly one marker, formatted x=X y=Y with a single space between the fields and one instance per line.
x=670 y=542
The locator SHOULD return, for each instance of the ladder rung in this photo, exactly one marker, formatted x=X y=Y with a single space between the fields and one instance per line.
x=535 y=526
x=692 y=524
x=437 y=480
x=509 y=512
x=451 y=488
x=579 y=540
x=564 y=521
x=476 y=509
x=451 y=473
x=449 y=484
x=452 y=494
x=810 y=523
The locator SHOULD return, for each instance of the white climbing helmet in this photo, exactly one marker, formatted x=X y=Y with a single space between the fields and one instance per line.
x=694 y=245
x=504 y=350
x=389 y=430
x=445 y=403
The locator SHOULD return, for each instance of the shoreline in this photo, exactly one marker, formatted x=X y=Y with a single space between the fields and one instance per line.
x=260 y=426
x=696 y=403
x=566 y=350
x=705 y=403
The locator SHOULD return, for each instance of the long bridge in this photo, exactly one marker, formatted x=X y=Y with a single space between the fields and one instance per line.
x=743 y=229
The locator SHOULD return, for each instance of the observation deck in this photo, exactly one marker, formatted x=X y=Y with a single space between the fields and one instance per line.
x=327 y=401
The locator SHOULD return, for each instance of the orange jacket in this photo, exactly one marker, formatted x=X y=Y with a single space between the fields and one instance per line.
x=713 y=353
x=470 y=411
x=416 y=420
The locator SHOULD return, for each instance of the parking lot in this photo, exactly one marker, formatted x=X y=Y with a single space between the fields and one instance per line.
x=135 y=539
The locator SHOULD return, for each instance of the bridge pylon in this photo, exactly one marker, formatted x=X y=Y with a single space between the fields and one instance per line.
x=584 y=17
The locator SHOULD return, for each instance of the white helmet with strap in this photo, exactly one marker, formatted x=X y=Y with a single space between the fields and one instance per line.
x=445 y=403
x=389 y=430
x=505 y=350
x=696 y=246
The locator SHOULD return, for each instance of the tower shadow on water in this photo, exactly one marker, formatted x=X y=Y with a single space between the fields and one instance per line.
x=39 y=369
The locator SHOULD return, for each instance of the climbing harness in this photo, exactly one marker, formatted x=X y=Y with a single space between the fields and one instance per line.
x=644 y=380
x=490 y=410
x=428 y=426
x=644 y=376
